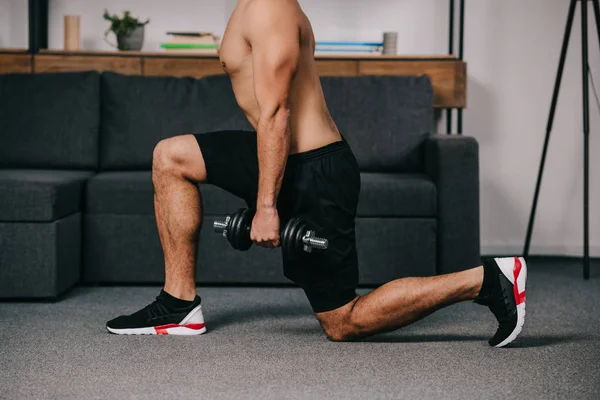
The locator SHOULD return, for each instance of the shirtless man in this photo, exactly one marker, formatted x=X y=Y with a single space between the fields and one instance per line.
x=295 y=164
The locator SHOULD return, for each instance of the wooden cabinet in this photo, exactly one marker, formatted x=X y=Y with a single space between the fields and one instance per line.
x=65 y=63
x=448 y=78
x=13 y=63
x=194 y=67
x=337 y=67
x=447 y=74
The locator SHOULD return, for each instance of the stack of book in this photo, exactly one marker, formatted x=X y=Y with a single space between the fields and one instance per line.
x=349 y=48
x=191 y=42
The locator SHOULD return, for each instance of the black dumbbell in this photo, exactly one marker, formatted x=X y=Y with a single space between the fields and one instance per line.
x=295 y=237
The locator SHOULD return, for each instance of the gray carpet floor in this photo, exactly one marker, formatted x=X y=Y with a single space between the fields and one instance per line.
x=264 y=343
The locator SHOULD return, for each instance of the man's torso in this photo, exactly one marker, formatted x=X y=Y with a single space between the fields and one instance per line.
x=310 y=123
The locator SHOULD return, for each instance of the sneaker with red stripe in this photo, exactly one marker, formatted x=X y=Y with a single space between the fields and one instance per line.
x=158 y=319
x=506 y=299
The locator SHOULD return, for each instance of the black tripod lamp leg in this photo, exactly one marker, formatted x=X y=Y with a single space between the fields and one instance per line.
x=597 y=15
x=559 y=73
x=586 y=140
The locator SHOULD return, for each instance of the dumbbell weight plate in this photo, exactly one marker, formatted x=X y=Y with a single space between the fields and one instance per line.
x=291 y=237
x=284 y=235
x=238 y=233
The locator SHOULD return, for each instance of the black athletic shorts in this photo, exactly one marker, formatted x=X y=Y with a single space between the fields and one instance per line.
x=320 y=186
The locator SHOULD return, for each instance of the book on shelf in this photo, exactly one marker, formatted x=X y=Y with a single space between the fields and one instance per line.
x=357 y=48
x=349 y=49
x=349 y=53
x=208 y=52
x=205 y=44
x=353 y=44
x=188 y=46
x=344 y=48
x=191 y=41
x=189 y=34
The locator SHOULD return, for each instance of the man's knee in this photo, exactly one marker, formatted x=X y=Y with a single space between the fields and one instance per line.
x=343 y=325
x=165 y=156
x=340 y=334
x=345 y=332
x=179 y=156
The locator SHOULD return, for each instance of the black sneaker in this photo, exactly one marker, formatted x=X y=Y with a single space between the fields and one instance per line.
x=506 y=297
x=157 y=319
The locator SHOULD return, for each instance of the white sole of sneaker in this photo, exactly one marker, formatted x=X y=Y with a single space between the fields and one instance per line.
x=515 y=268
x=192 y=324
x=171 y=329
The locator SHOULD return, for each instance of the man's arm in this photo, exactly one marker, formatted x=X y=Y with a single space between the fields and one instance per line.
x=273 y=34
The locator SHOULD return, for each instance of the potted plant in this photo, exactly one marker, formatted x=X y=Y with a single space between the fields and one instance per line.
x=128 y=30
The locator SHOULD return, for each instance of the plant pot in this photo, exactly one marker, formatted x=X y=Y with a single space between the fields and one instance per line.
x=132 y=41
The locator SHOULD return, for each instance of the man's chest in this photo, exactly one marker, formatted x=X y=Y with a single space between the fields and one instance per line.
x=234 y=53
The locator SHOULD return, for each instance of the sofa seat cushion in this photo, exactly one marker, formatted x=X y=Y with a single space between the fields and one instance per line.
x=396 y=195
x=40 y=195
x=131 y=193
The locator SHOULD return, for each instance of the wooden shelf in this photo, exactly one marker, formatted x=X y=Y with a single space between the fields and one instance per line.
x=183 y=54
x=13 y=50
x=70 y=63
x=447 y=73
x=15 y=62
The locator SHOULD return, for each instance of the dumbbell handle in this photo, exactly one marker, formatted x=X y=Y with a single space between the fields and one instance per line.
x=312 y=242
x=221 y=226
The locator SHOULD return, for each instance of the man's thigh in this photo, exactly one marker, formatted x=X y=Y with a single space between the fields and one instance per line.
x=231 y=162
x=323 y=191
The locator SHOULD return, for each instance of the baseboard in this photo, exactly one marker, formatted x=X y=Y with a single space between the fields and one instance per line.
x=572 y=250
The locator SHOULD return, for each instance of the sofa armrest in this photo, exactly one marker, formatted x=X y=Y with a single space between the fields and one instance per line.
x=452 y=163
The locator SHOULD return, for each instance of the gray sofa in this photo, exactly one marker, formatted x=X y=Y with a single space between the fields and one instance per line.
x=76 y=198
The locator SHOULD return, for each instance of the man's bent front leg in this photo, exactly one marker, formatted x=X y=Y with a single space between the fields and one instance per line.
x=399 y=303
x=177 y=167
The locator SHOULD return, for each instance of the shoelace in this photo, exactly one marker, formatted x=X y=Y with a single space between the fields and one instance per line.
x=156 y=309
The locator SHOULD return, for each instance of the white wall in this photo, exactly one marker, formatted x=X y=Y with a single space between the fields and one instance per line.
x=13 y=24
x=421 y=23
x=512 y=49
x=208 y=15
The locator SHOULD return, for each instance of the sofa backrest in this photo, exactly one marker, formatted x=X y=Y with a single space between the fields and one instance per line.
x=138 y=112
x=49 y=120
x=383 y=118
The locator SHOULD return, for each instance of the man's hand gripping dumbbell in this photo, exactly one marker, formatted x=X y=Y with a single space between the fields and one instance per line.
x=295 y=236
